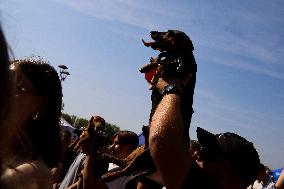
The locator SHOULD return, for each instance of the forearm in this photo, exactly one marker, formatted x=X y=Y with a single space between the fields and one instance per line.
x=87 y=172
x=280 y=182
x=89 y=179
x=168 y=149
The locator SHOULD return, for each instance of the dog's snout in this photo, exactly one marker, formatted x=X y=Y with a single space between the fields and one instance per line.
x=154 y=32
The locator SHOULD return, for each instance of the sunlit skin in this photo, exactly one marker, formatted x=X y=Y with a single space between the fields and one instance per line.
x=280 y=181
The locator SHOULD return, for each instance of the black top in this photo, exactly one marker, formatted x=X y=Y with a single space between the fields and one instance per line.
x=197 y=179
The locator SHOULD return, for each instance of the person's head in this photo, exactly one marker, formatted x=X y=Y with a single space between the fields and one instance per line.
x=262 y=174
x=78 y=132
x=231 y=153
x=123 y=143
x=66 y=138
x=37 y=103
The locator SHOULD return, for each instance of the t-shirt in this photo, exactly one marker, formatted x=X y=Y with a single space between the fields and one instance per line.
x=197 y=179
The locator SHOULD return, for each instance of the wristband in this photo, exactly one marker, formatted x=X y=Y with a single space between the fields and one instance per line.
x=171 y=89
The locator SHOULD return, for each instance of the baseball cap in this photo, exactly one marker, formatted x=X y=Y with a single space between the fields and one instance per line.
x=240 y=153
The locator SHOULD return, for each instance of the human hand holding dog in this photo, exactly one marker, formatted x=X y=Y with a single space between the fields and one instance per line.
x=178 y=82
x=88 y=144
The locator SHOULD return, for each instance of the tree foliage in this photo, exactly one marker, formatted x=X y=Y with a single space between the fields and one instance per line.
x=110 y=130
x=75 y=121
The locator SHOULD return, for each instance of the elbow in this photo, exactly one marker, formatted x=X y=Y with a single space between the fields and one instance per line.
x=156 y=144
x=154 y=140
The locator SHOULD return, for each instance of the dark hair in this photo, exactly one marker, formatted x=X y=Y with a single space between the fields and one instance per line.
x=4 y=58
x=43 y=132
x=4 y=74
x=261 y=167
x=127 y=137
x=4 y=90
x=240 y=153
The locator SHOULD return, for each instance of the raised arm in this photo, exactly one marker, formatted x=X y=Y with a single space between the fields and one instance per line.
x=90 y=181
x=168 y=148
x=280 y=182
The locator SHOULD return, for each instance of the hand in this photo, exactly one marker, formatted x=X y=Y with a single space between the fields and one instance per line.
x=88 y=145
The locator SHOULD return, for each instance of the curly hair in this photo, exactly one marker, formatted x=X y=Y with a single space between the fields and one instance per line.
x=43 y=133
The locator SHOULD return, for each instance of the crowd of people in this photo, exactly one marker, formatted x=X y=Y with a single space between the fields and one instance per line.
x=36 y=154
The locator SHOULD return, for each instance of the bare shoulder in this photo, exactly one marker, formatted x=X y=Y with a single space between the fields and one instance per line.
x=280 y=182
x=31 y=175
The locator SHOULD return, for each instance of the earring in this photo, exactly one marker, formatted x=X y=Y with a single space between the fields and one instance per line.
x=35 y=116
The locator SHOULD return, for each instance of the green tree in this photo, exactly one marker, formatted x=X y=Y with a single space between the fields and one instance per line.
x=110 y=130
x=67 y=118
x=75 y=121
x=80 y=123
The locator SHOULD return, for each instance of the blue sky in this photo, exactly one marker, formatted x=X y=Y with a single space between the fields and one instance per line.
x=239 y=49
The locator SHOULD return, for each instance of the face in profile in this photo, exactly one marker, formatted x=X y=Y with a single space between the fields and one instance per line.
x=65 y=138
x=119 y=149
x=25 y=101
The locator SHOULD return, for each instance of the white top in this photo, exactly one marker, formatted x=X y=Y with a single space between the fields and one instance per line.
x=261 y=185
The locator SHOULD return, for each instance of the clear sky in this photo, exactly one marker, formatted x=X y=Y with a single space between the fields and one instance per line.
x=239 y=49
